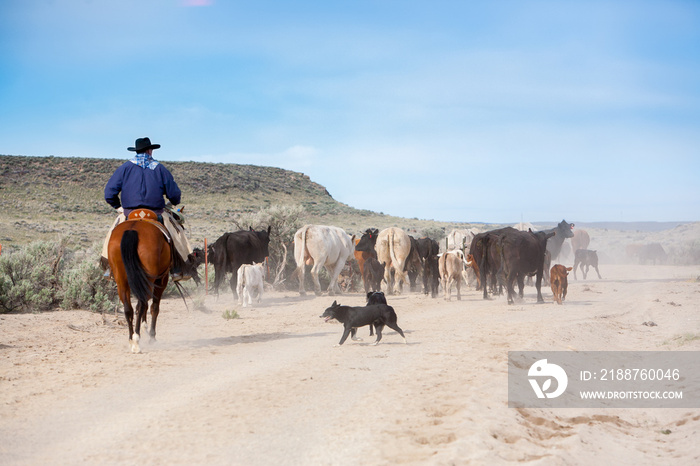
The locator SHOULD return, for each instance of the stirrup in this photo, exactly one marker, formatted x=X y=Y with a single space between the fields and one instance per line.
x=179 y=277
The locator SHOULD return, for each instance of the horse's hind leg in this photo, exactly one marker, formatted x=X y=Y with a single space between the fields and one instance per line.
x=141 y=309
x=155 y=310
x=129 y=314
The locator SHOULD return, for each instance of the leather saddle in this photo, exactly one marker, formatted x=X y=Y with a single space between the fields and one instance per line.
x=147 y=215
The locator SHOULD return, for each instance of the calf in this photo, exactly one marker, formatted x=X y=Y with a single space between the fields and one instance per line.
x=451 y=270
x=372 y=274
x=558 y=281
x=587 y=258
x=250 y=281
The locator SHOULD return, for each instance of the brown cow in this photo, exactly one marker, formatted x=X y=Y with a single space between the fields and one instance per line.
x=559 y=282
x=581 y=240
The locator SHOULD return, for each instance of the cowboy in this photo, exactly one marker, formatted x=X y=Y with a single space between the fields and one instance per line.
x=142 y=182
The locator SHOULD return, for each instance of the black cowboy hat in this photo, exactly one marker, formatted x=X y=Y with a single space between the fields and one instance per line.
x=142 y=145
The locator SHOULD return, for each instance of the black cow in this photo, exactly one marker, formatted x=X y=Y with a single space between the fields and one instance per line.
x=373 y=274
x=563 y=230
x=522 y=254
x=414 y=263
x=368 y=240
x=364 y=249
x=587 y=258
x=486 y=251
x=651 y=253
x=194 y=260
x=428 y=250
x=234 y=249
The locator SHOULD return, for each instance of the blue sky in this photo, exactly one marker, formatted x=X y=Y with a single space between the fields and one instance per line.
x=484 y=111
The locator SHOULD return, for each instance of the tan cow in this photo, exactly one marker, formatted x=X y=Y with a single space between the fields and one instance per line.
x=581 y=240
x=451 y=264
x=321 y=246
x=559 y=282
x=393 y=247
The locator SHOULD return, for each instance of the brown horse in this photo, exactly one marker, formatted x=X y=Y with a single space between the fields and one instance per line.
x=139 y=256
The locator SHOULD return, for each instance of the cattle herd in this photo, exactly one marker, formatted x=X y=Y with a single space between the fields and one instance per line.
x=390 y=259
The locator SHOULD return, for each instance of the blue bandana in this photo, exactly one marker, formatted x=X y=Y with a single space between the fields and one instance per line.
x=144 y=161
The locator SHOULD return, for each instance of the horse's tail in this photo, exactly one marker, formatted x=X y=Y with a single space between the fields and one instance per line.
x=137 y=277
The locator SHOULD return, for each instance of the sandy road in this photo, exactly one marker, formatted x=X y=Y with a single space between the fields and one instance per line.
x=270 y=388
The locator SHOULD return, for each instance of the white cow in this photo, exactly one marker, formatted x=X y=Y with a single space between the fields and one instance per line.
x=393 y=247
x=322 y=246
x=452 y=265
x=250 y=281
x=460 y=239
x=524 y=226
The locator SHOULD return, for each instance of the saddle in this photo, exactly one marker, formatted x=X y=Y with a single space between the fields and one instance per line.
x=147 y=215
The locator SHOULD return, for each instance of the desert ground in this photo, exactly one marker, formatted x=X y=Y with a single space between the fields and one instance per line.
x=270 y=387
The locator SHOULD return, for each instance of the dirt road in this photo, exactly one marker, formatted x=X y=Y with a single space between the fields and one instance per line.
x=270 y=388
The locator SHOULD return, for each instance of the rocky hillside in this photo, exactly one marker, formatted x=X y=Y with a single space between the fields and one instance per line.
x=46 y=197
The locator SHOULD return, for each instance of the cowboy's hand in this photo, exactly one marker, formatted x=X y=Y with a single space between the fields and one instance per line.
x=120 y=210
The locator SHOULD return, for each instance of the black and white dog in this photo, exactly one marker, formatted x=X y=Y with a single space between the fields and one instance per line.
x=353 y=317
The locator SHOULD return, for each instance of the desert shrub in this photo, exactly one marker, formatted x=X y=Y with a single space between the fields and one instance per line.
x=83 y=286
x=435 y=233
x=28 y=277
x=229 y=314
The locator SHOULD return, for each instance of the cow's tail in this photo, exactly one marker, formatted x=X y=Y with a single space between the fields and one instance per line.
x=222 y=263
x=392 y=252
x=300 y=255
